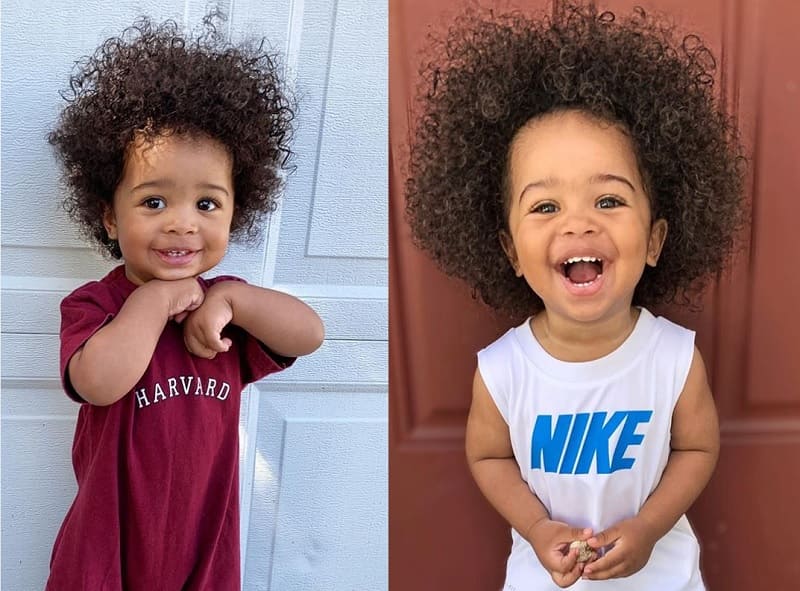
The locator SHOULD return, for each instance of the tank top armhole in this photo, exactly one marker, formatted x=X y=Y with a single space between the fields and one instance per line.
x=684 y=363
x=494 y=368
x=681 y=340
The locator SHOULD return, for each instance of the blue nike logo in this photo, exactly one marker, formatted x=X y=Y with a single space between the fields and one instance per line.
x=565 y=450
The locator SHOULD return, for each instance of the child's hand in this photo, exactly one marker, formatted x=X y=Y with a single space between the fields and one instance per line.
x=551 y=540
x=182 y=296
x=202 y=329
x=632 y=542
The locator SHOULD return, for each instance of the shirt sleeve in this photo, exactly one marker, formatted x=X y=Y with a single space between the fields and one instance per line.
x=83 y=313
x=257 y=360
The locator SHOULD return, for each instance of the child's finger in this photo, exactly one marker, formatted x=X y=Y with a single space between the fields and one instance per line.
x=560 y=560
x=196 y=302
x=196 y=347
x=618 y=570
x=604 y=538
x=180 y=317
x=213 y=340
x=569 y=578
x=568 y=561
x=612 y=564
x=578 y=533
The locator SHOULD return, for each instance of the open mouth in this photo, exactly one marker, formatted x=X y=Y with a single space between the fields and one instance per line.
x=582 y=271
x=175 y=253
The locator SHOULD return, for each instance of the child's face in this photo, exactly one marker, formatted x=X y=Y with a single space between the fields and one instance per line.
x=575 y=191
x=172 y=210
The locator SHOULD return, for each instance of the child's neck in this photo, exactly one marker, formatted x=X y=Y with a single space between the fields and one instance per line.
x=575 y=341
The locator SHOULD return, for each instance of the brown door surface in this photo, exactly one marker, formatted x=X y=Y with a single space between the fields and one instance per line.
x=443 y=534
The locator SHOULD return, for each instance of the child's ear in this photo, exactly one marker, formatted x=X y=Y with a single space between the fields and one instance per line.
x=110 y=222
x=508 y=247
x=658 y=234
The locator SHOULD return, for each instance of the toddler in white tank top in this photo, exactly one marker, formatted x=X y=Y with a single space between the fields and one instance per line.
x=575 y=170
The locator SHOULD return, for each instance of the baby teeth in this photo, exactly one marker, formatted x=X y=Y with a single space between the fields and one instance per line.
x=586 y=284
x=582 y=259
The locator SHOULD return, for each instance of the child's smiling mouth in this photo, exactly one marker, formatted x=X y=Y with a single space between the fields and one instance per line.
x=176 y=256
x=582 y=274
x=582 y=270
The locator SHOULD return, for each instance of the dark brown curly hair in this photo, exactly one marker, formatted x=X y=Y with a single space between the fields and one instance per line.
x=154 y=80
x=491 y=74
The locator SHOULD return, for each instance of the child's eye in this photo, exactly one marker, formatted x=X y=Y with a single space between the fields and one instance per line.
x=154 y=203
x=608 y=202
x=207 y=205
x=545 y=207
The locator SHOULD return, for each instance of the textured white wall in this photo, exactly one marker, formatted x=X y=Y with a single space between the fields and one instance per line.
x=313 y=445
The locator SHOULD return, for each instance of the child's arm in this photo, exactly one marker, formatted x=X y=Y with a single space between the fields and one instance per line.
x=491 y=460
x=695 y=447
x=283 y=323
x=110 y=363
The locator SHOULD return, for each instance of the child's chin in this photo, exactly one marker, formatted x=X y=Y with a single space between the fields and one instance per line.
x=170 y=275
x=177 y=276
x=588 y=311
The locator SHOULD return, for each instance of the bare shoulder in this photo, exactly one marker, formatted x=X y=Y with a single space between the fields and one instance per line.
x=487 y=432
x=696 y=390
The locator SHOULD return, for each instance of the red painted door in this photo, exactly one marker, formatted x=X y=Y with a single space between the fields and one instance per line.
x=443 y=534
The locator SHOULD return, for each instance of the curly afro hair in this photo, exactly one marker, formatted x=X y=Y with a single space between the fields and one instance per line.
x=152 y=81
x=492 y=74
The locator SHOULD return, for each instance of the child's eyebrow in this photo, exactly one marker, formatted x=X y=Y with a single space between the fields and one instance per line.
x=544 y=183
x=605 y=177
x=159 y=183
x=596 y=179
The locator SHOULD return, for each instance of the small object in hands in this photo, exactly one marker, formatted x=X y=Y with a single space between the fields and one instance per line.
x=584 y=550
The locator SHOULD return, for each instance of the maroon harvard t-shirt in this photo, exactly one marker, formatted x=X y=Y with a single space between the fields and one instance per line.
x=157 y=506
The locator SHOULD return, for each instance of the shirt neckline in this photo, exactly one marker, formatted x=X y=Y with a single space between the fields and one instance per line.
x=603 y=367
x=118 y=278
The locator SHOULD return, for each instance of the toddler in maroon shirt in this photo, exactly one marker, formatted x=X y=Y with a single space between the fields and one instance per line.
x=170 y=145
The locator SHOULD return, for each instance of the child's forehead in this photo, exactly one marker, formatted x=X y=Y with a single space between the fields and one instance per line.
x=176 y=159
x=572 y=143
x=148 y=148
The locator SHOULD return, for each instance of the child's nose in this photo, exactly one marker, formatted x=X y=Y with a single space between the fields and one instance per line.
x=578 y=222
x=181 y=221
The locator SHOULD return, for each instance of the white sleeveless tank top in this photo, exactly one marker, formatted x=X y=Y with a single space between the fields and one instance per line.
x=592 y=439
